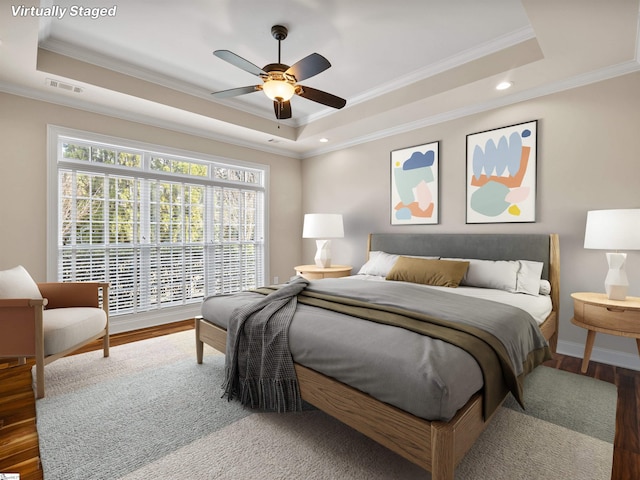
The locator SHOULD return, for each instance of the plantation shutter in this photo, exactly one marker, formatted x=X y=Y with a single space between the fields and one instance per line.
x=164 y=231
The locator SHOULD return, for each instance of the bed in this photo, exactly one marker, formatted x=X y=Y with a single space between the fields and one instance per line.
x=436 y=445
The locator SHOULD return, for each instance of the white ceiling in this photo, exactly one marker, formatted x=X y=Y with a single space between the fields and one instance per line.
x=400 y=65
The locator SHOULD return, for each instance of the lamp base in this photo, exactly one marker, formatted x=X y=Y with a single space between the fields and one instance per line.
x=323 y=253
x=616 y=284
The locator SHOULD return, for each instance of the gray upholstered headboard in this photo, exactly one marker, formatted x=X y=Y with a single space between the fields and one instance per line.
x=536 y=247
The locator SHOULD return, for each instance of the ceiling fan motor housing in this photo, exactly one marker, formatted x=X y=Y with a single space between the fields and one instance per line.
x=279 y=32
x=277 y=71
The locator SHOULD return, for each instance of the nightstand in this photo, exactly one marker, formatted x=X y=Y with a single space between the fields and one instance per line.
x=313 y=272
x=596 y=313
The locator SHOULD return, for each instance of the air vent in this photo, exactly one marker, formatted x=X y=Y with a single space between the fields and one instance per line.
x=63 y=86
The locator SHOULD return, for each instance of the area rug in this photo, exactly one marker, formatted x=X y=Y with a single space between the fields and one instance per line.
x=149 y=411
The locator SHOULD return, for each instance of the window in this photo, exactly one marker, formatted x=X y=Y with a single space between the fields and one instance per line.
x=164 y=228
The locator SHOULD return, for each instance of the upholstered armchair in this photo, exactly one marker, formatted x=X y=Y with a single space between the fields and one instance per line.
x=50 y=320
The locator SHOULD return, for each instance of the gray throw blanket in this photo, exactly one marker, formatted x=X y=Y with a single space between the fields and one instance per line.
x=258 y=364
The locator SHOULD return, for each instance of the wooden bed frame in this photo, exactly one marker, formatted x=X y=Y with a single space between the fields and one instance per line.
x=435 y=446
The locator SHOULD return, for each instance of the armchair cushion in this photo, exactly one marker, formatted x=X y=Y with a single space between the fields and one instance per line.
x=67 y=327
x=17 y=283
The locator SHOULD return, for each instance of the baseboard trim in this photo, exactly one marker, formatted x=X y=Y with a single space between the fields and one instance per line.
x=129 y=323
x=601 y=355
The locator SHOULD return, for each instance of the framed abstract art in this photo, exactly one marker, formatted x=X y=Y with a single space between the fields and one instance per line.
x=414 y=185
x=501 y=174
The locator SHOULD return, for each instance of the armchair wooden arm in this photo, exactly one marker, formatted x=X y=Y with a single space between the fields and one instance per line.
x=73 y=294
x=21 y=302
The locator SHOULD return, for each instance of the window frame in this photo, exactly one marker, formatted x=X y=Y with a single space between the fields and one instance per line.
x=125 y=322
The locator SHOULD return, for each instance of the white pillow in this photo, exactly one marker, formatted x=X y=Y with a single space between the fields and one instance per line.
x=498 y=274
x=545 y=287
x=17 y=283
x=529 y=277
x=379 y=263
x=516 y=276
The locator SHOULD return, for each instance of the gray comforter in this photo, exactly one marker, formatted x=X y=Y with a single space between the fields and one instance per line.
x=429 y=378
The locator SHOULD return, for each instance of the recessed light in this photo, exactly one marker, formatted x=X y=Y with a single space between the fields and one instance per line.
x=324 y=140
x=504 y=85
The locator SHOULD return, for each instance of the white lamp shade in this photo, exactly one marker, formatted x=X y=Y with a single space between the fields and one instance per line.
x=613 y=229
x=322 y=225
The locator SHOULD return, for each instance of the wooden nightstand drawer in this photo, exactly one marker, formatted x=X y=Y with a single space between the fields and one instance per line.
x=614 y=317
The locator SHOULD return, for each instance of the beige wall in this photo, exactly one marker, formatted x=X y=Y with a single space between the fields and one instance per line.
x=588 y=158
x=23 y=180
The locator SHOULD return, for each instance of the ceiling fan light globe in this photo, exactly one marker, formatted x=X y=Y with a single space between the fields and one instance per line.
x=278 y=90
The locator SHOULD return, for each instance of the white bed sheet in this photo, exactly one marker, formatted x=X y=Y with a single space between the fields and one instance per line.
x=539 y=307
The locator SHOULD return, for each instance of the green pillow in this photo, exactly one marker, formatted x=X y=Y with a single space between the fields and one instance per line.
x=440 y=273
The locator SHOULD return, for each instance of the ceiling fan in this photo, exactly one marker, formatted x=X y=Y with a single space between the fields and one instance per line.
x=280 y=81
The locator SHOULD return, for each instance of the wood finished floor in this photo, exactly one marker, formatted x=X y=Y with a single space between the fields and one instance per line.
x=19 y=451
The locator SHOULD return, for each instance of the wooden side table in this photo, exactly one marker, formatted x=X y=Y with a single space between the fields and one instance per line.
x=596 y=313
x=313 y=272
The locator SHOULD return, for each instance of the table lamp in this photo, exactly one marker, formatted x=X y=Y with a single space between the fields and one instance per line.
x=614 y=230
x=323 y=227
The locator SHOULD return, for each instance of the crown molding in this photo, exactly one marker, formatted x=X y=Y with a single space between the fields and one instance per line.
x=574 y=82
x=607 y=73
x=104 y=61
x=144 y=74
x=488 y=48
x=64 y=101
x=480 y=51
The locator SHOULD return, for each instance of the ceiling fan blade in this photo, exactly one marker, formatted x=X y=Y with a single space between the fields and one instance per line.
x=239 y=62
x=282 y=109
x=308 y=67
x=234 y=92
x=321 y=97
